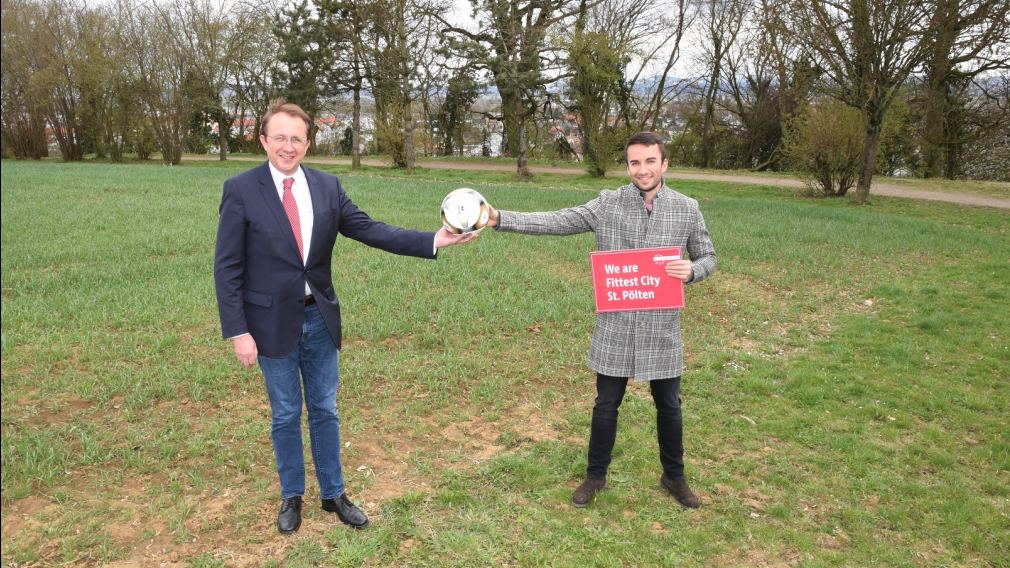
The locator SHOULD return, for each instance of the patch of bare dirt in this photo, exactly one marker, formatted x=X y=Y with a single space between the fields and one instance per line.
x=379 y=456
x=24 y=514
x=57 y=412
x=755 y=558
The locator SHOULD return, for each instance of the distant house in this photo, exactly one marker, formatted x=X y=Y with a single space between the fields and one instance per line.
x=242 y=128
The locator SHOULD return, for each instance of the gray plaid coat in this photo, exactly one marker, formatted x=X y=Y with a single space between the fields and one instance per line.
x=645 y=345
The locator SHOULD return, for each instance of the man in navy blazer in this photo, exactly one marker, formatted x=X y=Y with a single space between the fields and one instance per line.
x=272 y=270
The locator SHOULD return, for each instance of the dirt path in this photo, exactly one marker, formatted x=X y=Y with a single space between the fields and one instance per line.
x=883 y=189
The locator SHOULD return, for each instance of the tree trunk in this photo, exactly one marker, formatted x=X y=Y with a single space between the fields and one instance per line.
x=177 y=150
x=510 y=106
x=939 y=68
x=115 y=148
x=522 y=166
x=169 y=140
x=356 y=128
x=408 y=127
x=257 y=147
x=707 y=144
x=62 y=118
x=873 y=127
x=953 y=154
x=933 y=143
x=223 y=127
x=936 y=94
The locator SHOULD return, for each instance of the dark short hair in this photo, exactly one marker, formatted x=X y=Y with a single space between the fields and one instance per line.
x=646 y=139
x=290 y=109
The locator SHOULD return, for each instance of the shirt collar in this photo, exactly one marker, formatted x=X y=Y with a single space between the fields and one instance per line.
x=279 y=176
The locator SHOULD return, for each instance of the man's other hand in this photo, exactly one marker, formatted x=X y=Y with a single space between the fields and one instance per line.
x=245 y=349
x=680 y=269
x=443 y=238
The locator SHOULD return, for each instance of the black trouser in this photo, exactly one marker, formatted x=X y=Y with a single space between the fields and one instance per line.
x=669 y=424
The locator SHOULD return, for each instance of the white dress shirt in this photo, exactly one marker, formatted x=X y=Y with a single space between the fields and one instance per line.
x=303 y=200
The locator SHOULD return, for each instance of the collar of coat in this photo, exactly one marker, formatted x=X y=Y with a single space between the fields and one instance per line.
x=663 y=188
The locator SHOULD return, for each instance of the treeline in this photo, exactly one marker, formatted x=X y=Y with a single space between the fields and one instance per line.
x=840 y=89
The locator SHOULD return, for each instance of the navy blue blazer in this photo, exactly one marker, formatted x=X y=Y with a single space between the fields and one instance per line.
x=259 y=275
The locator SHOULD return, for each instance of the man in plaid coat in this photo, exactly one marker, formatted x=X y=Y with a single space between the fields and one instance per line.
x=645 y=345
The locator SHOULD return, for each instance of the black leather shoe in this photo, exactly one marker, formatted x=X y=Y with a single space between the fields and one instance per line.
x=680 y=491
x=290 y=517
x=584 y=493
x=348 y=513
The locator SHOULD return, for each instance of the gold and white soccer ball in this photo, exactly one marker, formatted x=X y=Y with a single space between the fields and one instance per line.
x=465 y=211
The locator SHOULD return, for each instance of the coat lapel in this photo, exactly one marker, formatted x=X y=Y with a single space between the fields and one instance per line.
x=269 y=193
x=319 y=219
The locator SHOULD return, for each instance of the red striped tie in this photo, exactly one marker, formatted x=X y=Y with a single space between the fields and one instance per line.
x=291 y=208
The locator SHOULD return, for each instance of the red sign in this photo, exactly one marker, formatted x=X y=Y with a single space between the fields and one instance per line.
x=636 y=279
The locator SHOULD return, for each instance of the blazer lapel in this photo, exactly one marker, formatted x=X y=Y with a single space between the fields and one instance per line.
x=269 y=193
x=319 y=219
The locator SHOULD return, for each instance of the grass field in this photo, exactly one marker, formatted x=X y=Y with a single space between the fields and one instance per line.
x=845 y=399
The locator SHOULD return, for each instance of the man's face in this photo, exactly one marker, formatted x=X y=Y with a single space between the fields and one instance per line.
x=285 y=141
x=645 y=166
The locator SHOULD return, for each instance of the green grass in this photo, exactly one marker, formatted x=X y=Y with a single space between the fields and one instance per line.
x=845 y=401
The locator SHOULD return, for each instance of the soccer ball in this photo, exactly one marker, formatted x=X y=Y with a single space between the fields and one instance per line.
x=464 y=211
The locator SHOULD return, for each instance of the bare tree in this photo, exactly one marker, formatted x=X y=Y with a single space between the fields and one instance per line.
x=255 y=67
x=60 y=73
x=867 y=49
x=723 y=21
x=160 y=69
x=401 y=36
x=968 y=39
x=511 y=44
x=215 y=34
x=795 y=73
x=23 y=107
x=613 y=51
x=661 y=44
x=102 y=81
x=751 y=89
x=766 y=79
x=348 y=22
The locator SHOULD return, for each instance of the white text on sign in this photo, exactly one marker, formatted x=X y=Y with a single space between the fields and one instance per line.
x=615 y=269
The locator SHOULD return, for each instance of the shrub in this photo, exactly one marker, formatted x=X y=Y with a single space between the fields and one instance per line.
x=825 y=145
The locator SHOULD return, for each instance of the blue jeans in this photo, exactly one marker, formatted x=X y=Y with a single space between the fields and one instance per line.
x=314 y=364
